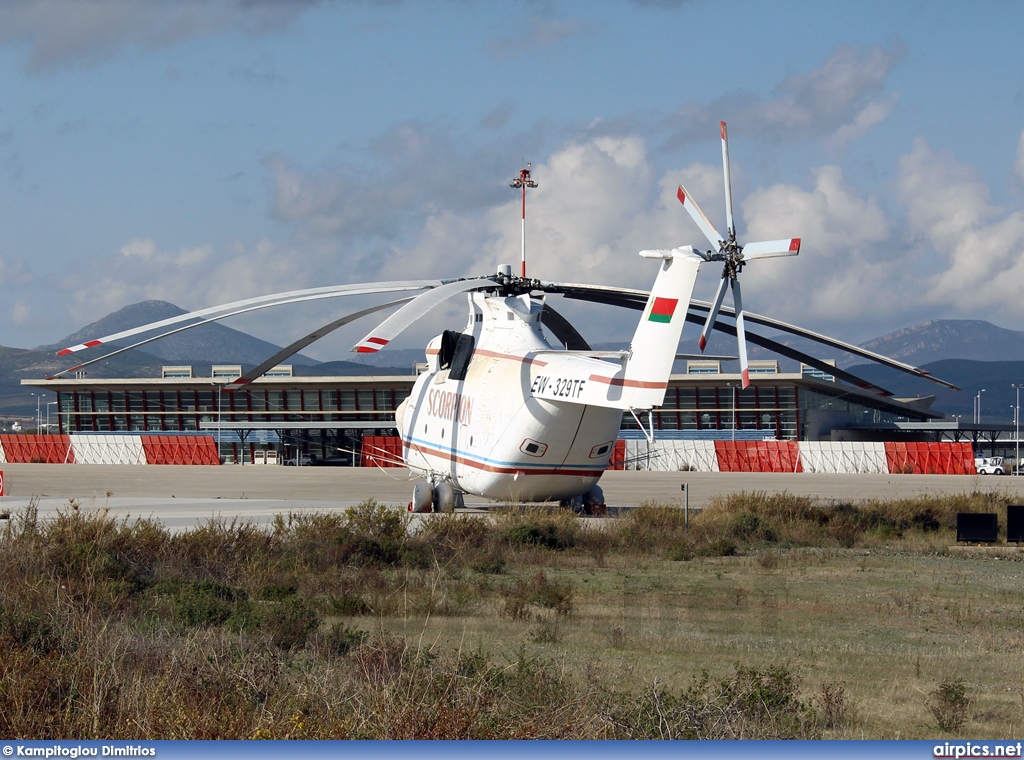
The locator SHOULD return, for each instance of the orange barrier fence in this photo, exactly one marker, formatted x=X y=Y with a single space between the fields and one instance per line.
x=930 y=458
x=618 y=460
x=46 y=449
x=758 y=456
x=180 y=449
x=381 y=451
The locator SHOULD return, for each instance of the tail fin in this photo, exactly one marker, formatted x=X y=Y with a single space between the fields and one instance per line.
x=654 y=345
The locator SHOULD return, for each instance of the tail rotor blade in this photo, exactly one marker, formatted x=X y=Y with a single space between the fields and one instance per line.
x=713 y=314
x=771 y=248
x=741 y=335
x=728 y=183
x=699 y=217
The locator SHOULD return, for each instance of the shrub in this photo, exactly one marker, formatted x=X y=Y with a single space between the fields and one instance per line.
x=949 y=705
x=341 y=639
x=555 y=530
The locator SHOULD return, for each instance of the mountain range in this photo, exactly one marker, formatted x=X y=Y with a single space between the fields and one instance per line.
x=973 y=354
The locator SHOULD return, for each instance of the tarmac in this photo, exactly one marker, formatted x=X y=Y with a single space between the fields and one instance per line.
x=183 y=496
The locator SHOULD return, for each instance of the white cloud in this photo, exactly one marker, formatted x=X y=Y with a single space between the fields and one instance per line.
x=979 y=247
x=538 y=33
x=842 y=268
x=840 y=100
x=190 y=277
x=59 y=32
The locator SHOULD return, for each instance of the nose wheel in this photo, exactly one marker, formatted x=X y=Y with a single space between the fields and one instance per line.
x=440 y=497
x=591 y=503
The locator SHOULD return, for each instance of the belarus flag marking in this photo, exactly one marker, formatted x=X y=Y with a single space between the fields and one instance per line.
x=662 y=309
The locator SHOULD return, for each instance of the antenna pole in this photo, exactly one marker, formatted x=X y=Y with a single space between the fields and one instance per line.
x=523 y=181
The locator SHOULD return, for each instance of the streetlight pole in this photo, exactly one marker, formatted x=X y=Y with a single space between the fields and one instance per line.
x=1016 y=429
x=39 y=421
x=523 y=181
x=977 y=414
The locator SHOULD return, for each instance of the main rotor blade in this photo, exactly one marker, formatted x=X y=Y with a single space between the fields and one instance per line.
x=713 y=314
x=391 y=327
x=741 y=333
x=292 y=297
x=261 y=369
x=562 y=329
x=261 y=302
x=637 y=299
x=835 y=343
x=700 y=218
x=729 y=223
x=791 y=353
x=771 y=248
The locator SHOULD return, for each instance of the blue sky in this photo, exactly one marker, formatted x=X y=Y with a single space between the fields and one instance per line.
x=200 y=151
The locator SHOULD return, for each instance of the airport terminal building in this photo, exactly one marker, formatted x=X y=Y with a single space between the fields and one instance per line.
x=326 y=418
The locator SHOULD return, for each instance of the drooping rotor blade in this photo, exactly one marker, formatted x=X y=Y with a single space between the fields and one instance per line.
x=741 y=337
x=729 y=223
x=261 y=369
x=387 y=330
x=699 y=217
x=637 y=299
x=713 y=314
x=261 y=302
x=561 y=328
x=771 y=248
x=703 y=306
x=791 y=353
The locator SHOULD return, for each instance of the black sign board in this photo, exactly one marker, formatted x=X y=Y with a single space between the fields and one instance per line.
x=977 y=527
x=1014 y=523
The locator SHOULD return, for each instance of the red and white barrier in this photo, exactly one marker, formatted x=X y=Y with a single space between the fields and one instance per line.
x=180 y=449
x=806 y=456
x=758 y=456
x=43 y=449
x=843 y=457
x=665 y=455
x=108 y=449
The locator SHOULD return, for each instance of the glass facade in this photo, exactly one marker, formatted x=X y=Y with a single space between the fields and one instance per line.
x=768 y=408
x=324 y=415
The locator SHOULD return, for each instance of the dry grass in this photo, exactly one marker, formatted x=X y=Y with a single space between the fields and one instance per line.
x=770 y=617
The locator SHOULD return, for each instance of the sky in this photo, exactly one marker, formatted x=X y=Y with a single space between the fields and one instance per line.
x=203 y=151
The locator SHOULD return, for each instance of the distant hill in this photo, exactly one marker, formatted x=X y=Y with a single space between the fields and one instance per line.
x=996 y=378
x=972 y=339
x=212 y=342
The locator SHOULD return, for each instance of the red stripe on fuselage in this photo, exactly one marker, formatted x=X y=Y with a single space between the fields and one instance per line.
x=505 y=470
x=621 y=382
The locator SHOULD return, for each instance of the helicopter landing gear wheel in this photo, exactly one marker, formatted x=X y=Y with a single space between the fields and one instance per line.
x=444 y=497
x=575 y=504
x=422 y=497
x=593 y=502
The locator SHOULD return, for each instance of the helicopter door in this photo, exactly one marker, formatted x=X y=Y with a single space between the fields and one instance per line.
x=460 y=359
x=454 y=354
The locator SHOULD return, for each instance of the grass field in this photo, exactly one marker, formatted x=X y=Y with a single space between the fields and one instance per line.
x=770 y=616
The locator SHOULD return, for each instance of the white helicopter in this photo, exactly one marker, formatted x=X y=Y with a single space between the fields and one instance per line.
x=504 y=414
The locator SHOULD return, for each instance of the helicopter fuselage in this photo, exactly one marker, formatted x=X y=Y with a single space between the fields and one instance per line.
x=475 y=418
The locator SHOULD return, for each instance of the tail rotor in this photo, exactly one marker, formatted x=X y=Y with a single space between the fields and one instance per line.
x=733 y=256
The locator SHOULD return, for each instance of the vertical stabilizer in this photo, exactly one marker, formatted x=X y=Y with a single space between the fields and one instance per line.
x=654 y=345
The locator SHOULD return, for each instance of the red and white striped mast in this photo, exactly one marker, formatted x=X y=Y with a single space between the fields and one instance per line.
x=523 y=181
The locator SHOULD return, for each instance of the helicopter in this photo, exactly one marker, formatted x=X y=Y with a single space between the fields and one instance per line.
x=506 y=413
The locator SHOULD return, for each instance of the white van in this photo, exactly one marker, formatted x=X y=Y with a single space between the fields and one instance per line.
x=989 y=465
